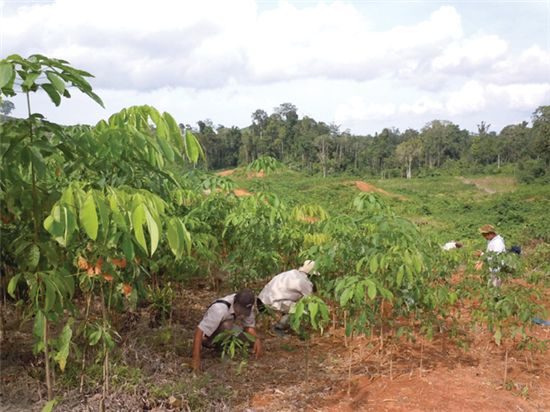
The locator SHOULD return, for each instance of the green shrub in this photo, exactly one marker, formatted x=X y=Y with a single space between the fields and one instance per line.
x=530 y=171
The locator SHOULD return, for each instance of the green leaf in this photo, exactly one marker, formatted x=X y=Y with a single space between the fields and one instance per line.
x=400 y=274
x=56 y=81
x=94 y=337
x=166 y=149
x=49 y=406
x=128 y=247
x=38 y=328
x=54 y=228
x=417 y=263
x=6 y=72
x=38 y=162
x=153 y=229
x=69 y=221
x=33 y=257
x=371 y=289
x=54 y=96
x=345 y=297
x=174 y=238
x=49 y=301
x=88 y=217
x=103 y=213
x=64 y=341
x=373 y=264
x=175 y=132
x=138 y=219
x=13 y=284
x=187 y=238
x=192 y=146
x=313 y=308
x=299 y=309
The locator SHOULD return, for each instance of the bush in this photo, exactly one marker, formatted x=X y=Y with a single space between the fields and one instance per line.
x=530 y=171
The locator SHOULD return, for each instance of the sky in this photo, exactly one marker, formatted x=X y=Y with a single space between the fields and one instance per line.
x=362 y=65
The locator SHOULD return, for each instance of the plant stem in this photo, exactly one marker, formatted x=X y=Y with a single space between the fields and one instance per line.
x=47 y=359
x=391 y=366
x=349 y=367
x=307 y=362
x=83 y=367
x=505 y=367
x=33 y=174
x=345 y=329
x=105 y=354
x=421 y=355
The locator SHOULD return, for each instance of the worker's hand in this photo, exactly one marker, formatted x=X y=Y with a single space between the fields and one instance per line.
x=257 y=349
x=196 y=364
x=479 y=265
x=478 y=253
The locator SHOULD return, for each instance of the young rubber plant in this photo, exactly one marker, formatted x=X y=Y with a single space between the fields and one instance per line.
x=235 y=343
x=264 y=164
x=309 y=313
x=29 y=168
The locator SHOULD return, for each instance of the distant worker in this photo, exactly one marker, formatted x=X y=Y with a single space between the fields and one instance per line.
x=284 y=290
x=221 y=316
x=495 y=244
x=452 y=245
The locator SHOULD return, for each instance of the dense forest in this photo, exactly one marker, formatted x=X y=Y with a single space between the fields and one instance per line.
x=439 y=147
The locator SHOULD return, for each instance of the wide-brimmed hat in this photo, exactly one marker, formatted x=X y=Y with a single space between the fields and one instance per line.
x=487 y=229
x=308 y=267
x=244 y=301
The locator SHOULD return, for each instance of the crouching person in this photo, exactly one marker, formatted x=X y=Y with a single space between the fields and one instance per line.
x=223 y=315
x=284 y=290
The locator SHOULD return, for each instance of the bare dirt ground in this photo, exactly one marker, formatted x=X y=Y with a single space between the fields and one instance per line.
x=226 y=172
x=241 y=192
x=359 y=374
x=249 y=175
x=368 y=187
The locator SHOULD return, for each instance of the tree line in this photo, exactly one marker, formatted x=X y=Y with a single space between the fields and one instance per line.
x=317 y=147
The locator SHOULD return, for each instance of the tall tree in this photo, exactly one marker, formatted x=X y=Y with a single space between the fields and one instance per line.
x=541 y=133
x=409 y=150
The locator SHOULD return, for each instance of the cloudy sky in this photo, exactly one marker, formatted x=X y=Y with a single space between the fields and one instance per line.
x=363 y=65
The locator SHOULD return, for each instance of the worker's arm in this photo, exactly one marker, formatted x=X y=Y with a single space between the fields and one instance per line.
x=197 y=345
x=257 y=344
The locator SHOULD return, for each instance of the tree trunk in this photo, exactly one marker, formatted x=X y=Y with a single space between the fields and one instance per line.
x=323 y=155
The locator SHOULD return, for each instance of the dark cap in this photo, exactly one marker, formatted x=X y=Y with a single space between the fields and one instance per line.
x=244 y=301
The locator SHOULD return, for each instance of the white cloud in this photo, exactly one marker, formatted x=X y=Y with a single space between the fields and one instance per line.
x=470 y=98
x=470 y=53
x=531 y=65
x=222 y=60
x=424 y=105
x=205 y=44
x=521 y=96
x=357 y=109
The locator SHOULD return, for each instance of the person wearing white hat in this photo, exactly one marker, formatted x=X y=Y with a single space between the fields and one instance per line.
x=495 y=245
x=284 y=290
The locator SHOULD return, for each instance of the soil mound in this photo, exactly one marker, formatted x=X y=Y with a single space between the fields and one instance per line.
x=367 y=187
x=241 y=192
